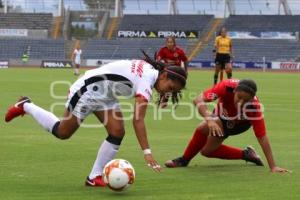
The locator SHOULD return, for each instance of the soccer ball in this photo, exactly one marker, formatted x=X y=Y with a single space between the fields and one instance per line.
x=118 y=174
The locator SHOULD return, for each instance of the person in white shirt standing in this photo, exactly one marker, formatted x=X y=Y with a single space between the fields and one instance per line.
x=77 y=60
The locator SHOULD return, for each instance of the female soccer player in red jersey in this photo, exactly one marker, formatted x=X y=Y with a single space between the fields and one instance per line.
x=237 y=110
x=97 y=93
x=172 y=54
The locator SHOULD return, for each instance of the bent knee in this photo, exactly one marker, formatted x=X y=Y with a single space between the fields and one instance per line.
x=118 y=132
x=205 y=153
x=228 y=68
x=63 y=135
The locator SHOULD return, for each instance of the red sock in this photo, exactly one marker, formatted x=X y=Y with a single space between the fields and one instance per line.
x=227 y=152
x=196 y=144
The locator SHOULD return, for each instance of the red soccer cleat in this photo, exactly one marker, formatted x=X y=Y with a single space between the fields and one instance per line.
x=96 y=182
x=17 y=109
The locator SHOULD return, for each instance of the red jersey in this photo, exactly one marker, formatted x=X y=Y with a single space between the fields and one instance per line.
x=224 y=92
x=173 y=57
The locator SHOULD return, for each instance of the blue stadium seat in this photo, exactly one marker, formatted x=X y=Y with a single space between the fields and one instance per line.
x=26 y=21
x=262 y=23
x=165 y=22
x=256 y=49
x=39 y=48
x=124 y=48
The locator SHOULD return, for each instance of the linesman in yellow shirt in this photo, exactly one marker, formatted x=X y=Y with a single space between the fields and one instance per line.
x=223 y=50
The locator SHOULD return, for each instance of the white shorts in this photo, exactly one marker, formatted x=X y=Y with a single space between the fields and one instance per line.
x=77 y=61
x=85 y=99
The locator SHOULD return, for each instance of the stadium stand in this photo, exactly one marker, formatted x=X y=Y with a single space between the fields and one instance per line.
x=261 y=23
x=127 y=48
x=255 y=49
x=124 y=48
x=165 y=22
x=13 y=48
x=26 y=21
x=39 y=49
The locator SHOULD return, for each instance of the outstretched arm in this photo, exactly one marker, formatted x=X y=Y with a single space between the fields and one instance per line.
x=141 y=133
x=266 y=147
x=231 y=50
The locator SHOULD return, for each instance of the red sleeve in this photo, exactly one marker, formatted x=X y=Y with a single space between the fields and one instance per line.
x=216 y=92
x=142 y=96
x=256 y=118
x=160 y=54
x=259 y=127
x=183 y=57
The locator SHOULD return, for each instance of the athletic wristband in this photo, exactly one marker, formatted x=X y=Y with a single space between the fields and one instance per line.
x=147 y=151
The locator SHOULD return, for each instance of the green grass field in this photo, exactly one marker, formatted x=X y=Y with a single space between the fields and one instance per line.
x=35 y=165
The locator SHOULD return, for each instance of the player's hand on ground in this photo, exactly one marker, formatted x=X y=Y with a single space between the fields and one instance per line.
x=214 y=129
x=279 y=169
x=152 y=163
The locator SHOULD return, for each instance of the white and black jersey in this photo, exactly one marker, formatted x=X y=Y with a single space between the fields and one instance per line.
x=99 y=88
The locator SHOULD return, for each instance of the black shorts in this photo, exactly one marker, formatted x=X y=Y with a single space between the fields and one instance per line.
x=222 y=59
x=233 y=127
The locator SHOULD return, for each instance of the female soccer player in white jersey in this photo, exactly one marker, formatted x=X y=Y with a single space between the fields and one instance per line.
x=77 y=60
x=96 y=92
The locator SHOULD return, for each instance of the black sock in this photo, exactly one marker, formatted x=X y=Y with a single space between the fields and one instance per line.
x=114 y=140
x=229 y=75
x=183 y=161
x=215 y=79
x=54 y=129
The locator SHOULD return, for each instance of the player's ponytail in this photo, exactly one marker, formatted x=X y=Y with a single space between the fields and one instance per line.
x=174 y=73
x=156 y=64
x=177 y=74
